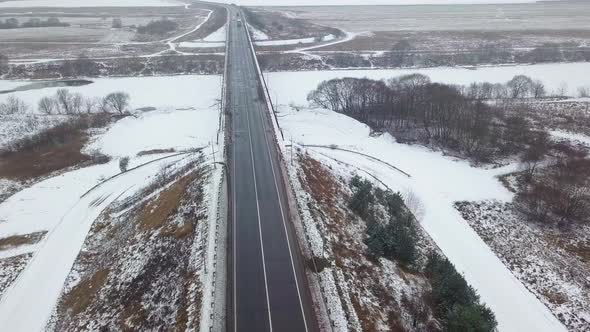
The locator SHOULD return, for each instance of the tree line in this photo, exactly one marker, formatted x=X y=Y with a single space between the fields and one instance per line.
x=69 y=103
x=555 y=189
x=13 y=23
x=479 y=121
x=159 y=27
x=415 y=109
x=404 y=54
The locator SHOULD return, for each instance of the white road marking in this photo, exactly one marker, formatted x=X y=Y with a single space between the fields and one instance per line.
x=259 y=223
x=280 y=202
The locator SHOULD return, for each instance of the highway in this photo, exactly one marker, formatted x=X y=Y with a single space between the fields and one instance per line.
x=267 y=288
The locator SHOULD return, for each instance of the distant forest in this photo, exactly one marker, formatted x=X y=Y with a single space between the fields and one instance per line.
x=13 y=23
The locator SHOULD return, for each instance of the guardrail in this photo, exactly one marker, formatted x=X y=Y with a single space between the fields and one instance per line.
x=210 y=268
x=263 y=82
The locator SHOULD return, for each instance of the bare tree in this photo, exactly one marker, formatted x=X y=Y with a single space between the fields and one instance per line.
x=102 y=105
x=584 y=91
x=520 y=86
x=64 y=98
x=118 y=101
x=89 y=105
x=13 y=105
x=123 y=164
x=532 y=157
x=76 y=101
x=47 y=105
x=562 y=90
x=538 y=89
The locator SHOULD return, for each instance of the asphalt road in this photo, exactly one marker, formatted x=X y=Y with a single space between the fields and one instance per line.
x=267 y=284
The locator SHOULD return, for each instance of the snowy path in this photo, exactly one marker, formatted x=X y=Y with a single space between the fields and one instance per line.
x=28 y=303
x=348 y=37
x=438 y=181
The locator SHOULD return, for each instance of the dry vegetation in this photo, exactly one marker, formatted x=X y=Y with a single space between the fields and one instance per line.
x=377 y=293
x=552 y=262
x=217 y=20
x=19 y=240
x=10 y=268
x=141 y=266
x=51 y=150
x=278 y=26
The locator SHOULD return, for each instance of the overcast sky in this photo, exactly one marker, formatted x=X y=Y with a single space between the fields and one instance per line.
x=361 y=2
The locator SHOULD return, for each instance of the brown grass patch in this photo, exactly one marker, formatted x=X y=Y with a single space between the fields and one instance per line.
x=132 y=315
x=323 y=187
x=26 y=165
x=157 y=211
x=582 y=250
x=364 y=315
x=19 y=240
x=179 y=231
x=51 y=150
x=78 y=299
x=554 y=297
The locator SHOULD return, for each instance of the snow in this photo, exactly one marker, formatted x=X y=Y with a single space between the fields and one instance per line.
x=555 y=76
x=278 y=42
x=574 y=137
x=164 y=92
x=187 y=117
x=257 y=34
x=28 y=303
x=515 y=307
x=201 y=44
x=217 y=35
x=167 y=129
x=17 y=126
x=263 y=41
x=89 y=3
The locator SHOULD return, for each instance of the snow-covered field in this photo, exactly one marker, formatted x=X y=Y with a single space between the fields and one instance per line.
x=162 y=92
x=257 y=34
x=186 y=117
x=279 y=42
x=168 y=130
x=217 y=35
x=555 y=76
x=89 y=3
x=200 y=44
x=438 y=181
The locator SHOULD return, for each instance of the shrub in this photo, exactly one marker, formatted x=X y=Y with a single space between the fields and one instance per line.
x=474 y=318
x=395 y=240
x=159 y=27
x=123 y=163
x=117 y=101
x=362 y=198
x=47 y=105
x=13 y=105
x=455 y=300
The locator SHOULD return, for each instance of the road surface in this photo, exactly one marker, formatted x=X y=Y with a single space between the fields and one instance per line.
x=267 y=286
